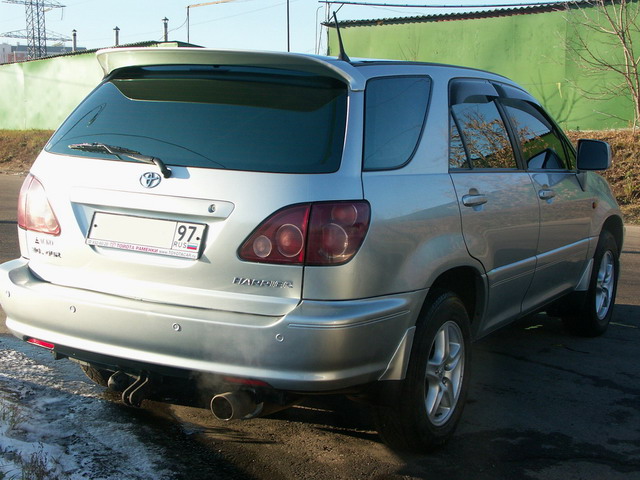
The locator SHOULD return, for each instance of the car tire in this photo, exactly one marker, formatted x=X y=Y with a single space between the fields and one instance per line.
x=593 y=312
x=97 y=375
x=428 y=403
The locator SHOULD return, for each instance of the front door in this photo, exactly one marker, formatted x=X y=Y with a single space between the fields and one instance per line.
x=565 y=208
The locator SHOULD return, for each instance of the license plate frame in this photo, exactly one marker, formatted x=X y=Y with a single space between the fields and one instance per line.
x=172 y=238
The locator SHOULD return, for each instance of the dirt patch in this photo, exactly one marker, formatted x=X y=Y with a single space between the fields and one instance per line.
x=19 y=148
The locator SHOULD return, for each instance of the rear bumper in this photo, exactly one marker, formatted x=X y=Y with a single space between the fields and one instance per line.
x=318 y=346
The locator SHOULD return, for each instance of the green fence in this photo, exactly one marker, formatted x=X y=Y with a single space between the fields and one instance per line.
x=530 y=48
x=41 y=93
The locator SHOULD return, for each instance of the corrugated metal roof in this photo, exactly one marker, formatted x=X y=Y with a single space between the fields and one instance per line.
x=446 y=17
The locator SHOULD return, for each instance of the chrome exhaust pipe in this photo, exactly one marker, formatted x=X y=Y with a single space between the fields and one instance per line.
x=119 y=381
x=238 y=405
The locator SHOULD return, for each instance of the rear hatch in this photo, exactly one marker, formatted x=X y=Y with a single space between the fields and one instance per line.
x=158 y=178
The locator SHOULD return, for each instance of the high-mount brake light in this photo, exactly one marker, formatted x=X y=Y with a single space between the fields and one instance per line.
x=309 y=234
x=34 y=211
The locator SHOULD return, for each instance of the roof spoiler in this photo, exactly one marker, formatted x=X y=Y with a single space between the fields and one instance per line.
x=115 y=58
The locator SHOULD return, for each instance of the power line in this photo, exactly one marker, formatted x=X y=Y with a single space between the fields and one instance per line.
x=216 y=2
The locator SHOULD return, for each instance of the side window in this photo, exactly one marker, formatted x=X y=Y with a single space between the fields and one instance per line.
x=478 y=130
x=395 y=111
x=542 y=147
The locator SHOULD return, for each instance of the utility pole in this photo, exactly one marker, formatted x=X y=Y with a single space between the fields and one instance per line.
x=165 y=20
x=36 y=33
x=288 y=31
x=117 y=30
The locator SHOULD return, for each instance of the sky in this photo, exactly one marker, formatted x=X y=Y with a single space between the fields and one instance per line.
x=235 y=24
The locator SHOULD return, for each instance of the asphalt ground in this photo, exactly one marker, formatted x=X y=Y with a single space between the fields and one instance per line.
x=9 y=189
x=542 y=405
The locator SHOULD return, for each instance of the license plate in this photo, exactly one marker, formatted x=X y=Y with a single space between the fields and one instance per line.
x=147 y=235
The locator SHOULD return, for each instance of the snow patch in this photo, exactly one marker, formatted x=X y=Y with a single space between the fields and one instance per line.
x=51 y=416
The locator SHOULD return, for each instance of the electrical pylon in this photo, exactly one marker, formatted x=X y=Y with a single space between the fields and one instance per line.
x=36 y=32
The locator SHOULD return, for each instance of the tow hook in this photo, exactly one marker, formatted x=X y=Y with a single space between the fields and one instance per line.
x=135 y=393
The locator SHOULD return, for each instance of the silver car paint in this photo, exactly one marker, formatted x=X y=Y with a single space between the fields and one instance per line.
x=318 y=346
x=414 y=212
x=564 y=228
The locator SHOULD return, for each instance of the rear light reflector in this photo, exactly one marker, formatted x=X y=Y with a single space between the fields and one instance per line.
x=309 y=234
x=246 y=381
x=41 y=343
x=34 y=211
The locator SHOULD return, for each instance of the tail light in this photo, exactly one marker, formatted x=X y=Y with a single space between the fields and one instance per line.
x=309 y=234
x=34 y=211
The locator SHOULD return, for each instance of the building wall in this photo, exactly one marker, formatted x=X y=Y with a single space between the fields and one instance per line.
x=5 y=50
x=528 y=48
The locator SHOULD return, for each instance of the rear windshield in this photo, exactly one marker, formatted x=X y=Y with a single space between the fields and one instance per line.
x=238 y=118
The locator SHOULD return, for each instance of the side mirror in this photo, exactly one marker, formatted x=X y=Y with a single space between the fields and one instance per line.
x=593 y=155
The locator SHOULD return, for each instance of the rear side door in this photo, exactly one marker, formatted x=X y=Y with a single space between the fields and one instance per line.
x=565 y=207
x=498 y=203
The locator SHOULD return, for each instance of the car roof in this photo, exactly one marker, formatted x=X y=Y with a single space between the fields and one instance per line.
x=365 y=62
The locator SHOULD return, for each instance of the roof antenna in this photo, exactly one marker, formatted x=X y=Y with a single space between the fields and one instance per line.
x=343 y=55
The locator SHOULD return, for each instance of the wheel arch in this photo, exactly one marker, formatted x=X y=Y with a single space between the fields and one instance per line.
x=467 y=283
x=614 y=225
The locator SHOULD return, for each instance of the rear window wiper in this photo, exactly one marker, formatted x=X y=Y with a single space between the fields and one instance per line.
x=121 y=151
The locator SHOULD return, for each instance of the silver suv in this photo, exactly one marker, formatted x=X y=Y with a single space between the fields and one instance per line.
x=263 y=226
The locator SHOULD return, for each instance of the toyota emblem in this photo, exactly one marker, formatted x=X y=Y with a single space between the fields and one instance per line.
x=150 y=179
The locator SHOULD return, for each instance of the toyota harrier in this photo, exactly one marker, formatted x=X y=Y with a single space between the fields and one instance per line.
x=264 y=226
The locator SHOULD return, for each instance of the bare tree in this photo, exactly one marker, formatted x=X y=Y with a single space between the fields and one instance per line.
x=602 y=35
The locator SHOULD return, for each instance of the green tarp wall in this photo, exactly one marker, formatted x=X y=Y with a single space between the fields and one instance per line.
x=39 y=94
x=528 y=48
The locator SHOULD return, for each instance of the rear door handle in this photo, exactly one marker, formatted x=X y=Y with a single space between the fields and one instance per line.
x=474 y=200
